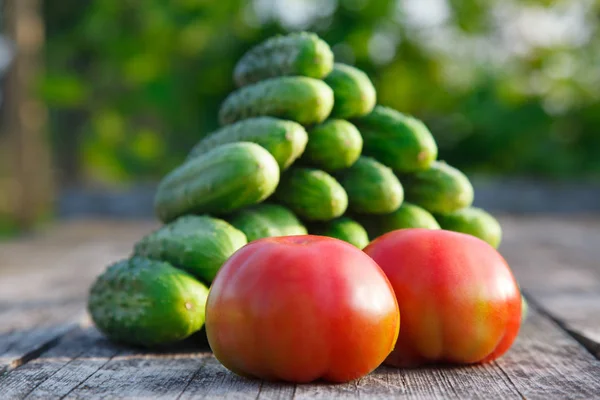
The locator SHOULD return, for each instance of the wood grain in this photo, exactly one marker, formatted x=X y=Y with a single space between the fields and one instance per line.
x=63 y=357
x=555 y=254
x=578 y=313
x=544 y=362
x=44 y=282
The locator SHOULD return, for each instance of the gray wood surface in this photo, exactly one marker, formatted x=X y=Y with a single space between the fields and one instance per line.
x=49 y=349
x=44 y=282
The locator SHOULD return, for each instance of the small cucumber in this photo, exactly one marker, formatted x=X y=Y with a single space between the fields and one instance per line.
x=372 y=187
x=473 y=221
x=407 y=216
x=298 y=53
x=345 y=229
x=297 y=98
x=267 y=220
x=199 y=245
x=399 y=141
x=147 y=303
x=440 y=189
x=224 y=179
x=354 y=92
x=285 y=140
x=333 y=145
x=312 y=194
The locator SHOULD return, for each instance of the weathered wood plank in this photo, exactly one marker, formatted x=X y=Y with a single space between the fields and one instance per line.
x=44 y=282
x=546 y=362
x=553 y=254
x=556 y=262
x=578 y=313
x=78 y=363
x=76 y=356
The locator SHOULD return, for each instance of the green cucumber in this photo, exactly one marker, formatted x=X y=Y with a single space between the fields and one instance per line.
x=399 y=141
x=312 y=194
x=441 y=189
x=333 y=145
x=297 y=98
x=407 y=216
x=224 y=179
x=354 y=92
x=267 y=220
x=147 y=303
x=345 y=229
x=199 y=245
x=298 y=53
x=285 y=140
x=372 y=187
x=473 y=221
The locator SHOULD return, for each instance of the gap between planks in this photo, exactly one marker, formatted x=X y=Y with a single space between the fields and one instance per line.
x=576 y=329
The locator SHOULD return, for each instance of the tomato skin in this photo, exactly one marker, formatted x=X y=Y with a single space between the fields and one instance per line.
x=301 y=308
x=459 y=301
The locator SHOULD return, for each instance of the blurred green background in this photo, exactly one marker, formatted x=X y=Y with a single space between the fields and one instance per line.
x=508 y=88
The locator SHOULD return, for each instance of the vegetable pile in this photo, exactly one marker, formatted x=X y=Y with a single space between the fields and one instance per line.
x=303 y=150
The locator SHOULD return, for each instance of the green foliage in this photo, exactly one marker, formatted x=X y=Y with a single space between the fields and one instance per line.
x=133 y=84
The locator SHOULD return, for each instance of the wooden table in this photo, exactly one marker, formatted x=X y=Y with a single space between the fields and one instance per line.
x=49 y=349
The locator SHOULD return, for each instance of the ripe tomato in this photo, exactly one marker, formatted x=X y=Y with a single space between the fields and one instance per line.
x=457 y=296
x=301 y=308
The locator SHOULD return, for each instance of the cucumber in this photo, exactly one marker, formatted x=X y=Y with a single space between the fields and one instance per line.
x=473 y=221
x=372 y=187
x=311 y=194
x=354 y=92
x=441 y=189
x=267 y=220
x=199 y=245
x=298 y=98
x=147 y=303
x=224 y=179
x=407 y=216
x=399 y=141
x=333 y=145
x=299 y=53
x=286 y=221
x=285 y=140
x=345 y=229
x=524 y=309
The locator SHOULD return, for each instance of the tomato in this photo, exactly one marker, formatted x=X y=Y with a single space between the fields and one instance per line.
x=301 y=308
x=458 y=298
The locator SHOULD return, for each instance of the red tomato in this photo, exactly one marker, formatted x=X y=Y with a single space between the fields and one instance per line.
x=301 y=308
x=457 y=296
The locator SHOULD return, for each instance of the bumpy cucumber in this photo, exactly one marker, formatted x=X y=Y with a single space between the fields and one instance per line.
x=473 y=221
x=227 y=178
x=299 y=53
x=407 y=216
x=286 y=221
x=267 y=220
x=345 y=229
x=354 y=92
x=397 y=140
x=298 y=98
x=372 y=187
x=198 y=244
x=440 y=189
x=335 y=144
x=285 y=140
x=312 y=194
x=148 y=303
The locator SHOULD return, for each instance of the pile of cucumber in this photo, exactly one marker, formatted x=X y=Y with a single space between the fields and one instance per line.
x=303 y=147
